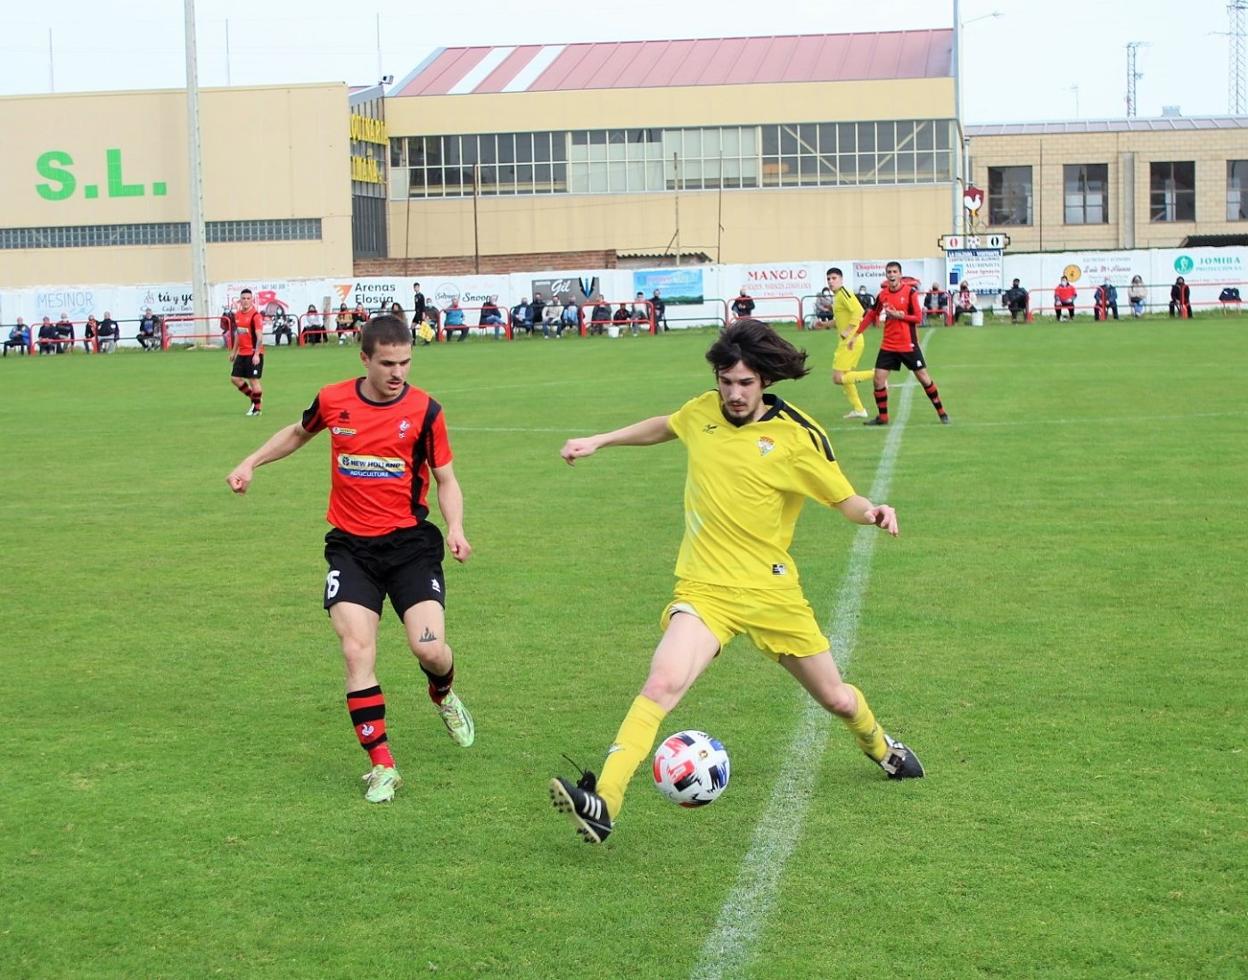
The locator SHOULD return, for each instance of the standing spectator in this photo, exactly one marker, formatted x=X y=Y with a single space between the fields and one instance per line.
x=418 y=304
x=522 y=316
x=19 y=338
x=455 y=322
x=1136 y=295
x=735 y=574
x=247 y=354
x=600 y=316
x=91 y=333
x=570 y=317
x=149 y=330
x=1105 y=299
x=47 y=337
x=899 y=307
x=109 y=333
x=381 y=543
x=743 y=305
x=491 y=316
x=641 y=313
x=64 y=332
x=1180 y=299
x=312 y=330
x=865 y=299
x=964 y=305
x=660 y=311
x=1015 y=299
x=1064 y=297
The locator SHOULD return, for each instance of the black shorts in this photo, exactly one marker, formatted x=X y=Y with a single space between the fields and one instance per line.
x=243 y=368
x=892 y=360
x=405 y=565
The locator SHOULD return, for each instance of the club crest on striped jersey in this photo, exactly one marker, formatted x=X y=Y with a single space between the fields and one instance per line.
x=404 y=425
x=765 y=445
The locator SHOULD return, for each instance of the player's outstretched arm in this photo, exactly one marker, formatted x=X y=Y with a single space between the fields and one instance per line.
x=281 y=444
x=451 y=503
x=647 y=432
x=861 y=511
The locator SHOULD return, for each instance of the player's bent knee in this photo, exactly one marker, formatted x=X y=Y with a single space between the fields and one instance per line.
x=435 y=654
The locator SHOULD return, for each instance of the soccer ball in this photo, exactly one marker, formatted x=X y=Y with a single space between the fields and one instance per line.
x=691 y=768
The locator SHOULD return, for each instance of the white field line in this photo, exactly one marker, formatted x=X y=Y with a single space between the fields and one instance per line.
x=730 y=946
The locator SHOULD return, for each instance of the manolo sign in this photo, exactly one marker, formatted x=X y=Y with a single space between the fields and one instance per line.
x=62 y=183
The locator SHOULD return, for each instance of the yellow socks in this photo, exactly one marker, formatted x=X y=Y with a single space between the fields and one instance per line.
x=851 y=395
x=853 y=377
x=867 y=732
x=632 y=745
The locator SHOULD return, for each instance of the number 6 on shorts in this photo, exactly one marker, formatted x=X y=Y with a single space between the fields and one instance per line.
x=331 y=583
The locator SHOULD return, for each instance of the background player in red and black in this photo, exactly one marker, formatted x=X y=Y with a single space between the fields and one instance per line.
x=247 y=350
x=388 y=440
x=901 y=308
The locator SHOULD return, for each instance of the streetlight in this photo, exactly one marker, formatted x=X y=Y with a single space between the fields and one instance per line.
x=959 y=185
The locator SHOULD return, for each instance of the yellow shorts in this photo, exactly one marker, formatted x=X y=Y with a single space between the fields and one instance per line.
x=845 y=359
x=777 y=621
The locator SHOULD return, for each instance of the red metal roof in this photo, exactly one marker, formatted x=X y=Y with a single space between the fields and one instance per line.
x=708 y=61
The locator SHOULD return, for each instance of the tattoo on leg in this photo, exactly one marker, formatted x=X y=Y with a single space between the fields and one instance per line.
x=427 y=636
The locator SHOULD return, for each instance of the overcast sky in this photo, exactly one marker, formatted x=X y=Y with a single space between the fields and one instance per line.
x=1022 y=65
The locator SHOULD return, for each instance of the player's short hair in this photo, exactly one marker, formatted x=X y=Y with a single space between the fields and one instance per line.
x=892 y=264
x=761 y=349
x=384 y=330
x=832 y=270
x=245 y=292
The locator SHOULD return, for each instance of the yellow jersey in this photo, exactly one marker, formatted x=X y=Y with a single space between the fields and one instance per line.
x=846 y=314
x=744 y=490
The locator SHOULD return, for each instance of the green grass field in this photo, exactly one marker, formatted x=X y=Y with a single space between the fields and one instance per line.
x=1060 y=632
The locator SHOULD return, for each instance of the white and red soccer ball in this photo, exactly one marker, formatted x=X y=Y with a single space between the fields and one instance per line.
x=691 y=768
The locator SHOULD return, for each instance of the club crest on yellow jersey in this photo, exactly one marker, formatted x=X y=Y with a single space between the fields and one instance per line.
x=765 y=445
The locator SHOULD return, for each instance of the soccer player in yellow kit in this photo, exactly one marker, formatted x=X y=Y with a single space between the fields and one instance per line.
x=847 y=314
x=753 y=461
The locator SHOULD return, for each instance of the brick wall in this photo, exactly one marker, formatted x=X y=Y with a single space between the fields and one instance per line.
x=460 y=265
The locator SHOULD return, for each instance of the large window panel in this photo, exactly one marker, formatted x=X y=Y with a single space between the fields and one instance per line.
x=1009 y=196
x=1172 y=191
x=1237 y=190
x=1085 y=193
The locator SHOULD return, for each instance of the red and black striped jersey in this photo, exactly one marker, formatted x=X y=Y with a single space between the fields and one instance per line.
x=381 y=454
x=900 y=334
x=249 y=330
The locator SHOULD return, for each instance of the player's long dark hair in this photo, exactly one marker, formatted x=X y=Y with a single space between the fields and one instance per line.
x=384 y=330
x=762 y=350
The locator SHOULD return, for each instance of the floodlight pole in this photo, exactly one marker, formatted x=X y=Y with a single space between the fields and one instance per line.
x=195 y=188
x=959 y=182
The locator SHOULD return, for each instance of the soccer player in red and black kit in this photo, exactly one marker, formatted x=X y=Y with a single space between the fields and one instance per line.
x=247 y=350
x=387 y=438
x=901 y=308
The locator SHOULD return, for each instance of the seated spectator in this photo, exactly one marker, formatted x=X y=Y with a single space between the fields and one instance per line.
x=1105 y=299
x=865 y=298
x=149 y=330
x=600 y=316
x=537 y=309
x=491 y=316
x=312 y=327
x=432 y=317
x=454 y=322
x=621 y=317
x=743 y=305
x=281 y=325
x=522 y=316
x=91 y=333
x=1015 y=300
x=550 y=319
x=1137 y=294
x=1064 y=296
x=964 y=304
x=1180 y=299
x=65 y=332
x=641 y=314
x=823 y=309
x=570 y=317
x=109 y=333
x=936 y=303
x=19 y=338
x=47 y=337
x=359 y=317
x=396 y=309
x=342 y=322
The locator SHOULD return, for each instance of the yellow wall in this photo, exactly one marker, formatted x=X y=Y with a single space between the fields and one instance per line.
x=759 y=226
x=274 y=152
x=1047 y=154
